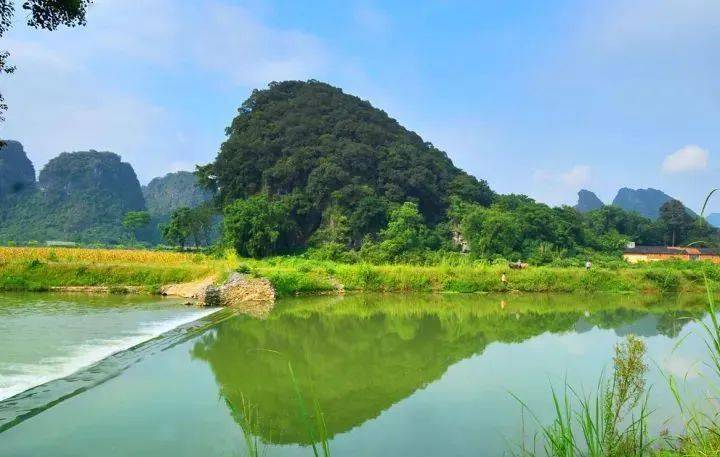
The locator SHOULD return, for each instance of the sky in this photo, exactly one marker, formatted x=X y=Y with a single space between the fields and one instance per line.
x=540 y=98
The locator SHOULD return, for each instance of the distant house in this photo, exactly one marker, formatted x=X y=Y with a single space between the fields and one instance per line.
x=61 y=244
x=634 y=254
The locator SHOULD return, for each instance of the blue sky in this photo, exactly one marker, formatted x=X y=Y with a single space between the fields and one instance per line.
x=541 y=98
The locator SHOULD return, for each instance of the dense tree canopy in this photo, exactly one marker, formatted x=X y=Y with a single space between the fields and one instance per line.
x=305 y=164
x=185 y=225
x=80 y=196
x=257 y=226
x=134 y=220
x=326 y=154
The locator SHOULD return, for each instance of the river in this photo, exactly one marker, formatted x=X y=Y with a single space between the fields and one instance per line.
x=423 y=375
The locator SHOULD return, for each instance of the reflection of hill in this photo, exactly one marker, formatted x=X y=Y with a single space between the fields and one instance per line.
x=361 y=354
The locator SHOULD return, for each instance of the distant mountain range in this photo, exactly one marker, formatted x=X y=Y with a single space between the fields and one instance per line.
x=83 y=196
x=588 y=201
x=168 y=193
x=646 y=202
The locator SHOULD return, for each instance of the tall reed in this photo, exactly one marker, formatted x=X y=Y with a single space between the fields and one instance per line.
x=611 y=422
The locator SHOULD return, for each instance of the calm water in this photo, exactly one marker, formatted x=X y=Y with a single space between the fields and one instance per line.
x=394 y=375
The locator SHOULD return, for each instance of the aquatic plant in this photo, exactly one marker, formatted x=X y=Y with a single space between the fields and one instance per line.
x=612 y=422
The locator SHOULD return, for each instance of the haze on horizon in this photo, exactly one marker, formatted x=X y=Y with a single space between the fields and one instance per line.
x=542 y=100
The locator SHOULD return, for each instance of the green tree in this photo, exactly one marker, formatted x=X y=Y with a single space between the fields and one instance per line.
x=255 y=226
x=177 y=230
x=493 y=232
x=406 y=233
x=677 y=220
x=615 y=222
x=189 y=224
x=201 y=222
x=322 y=148
x=134 y=220
x=702 y=231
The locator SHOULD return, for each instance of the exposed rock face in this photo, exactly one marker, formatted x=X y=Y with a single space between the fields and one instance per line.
x=194 y=289
x=90 y=173
x=167 y=194
x=86 y=194
x=16 y=171
x=588 y=201
x=172 y=191
x=646 y=202
x=254 y=296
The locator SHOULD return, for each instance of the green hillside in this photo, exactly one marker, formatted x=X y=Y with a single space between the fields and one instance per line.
x=80 y=196
x=329 y=155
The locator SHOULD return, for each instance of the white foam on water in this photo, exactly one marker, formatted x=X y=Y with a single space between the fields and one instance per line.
x=18 y=378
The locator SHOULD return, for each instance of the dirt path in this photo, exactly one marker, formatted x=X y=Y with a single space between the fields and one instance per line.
x=193 y=289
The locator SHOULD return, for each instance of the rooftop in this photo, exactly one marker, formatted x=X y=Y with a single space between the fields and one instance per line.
x=670 y=250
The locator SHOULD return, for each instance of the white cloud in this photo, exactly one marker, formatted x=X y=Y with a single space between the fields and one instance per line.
x=687 y=159
x=556 y=187
x=93 y=87
x=251 y=53
x=681 y=367
x=576 y=177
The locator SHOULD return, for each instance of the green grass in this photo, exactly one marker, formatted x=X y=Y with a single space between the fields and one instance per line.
x=42 y=269
x=295 y=275
x=37 y=269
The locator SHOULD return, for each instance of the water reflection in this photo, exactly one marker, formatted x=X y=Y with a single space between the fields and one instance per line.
x=359 y=355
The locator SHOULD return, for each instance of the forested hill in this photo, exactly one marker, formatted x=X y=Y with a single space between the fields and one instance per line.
x=166 y=194
x=84 y=196
x=646 y=202
x=80 y=196
x=329 y=156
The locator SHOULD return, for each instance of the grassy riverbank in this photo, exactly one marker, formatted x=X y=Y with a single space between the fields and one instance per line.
x=39 y=268
x=292 y=275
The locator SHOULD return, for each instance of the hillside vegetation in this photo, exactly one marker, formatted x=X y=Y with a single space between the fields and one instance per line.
x=167 y=194
x=305 y=166
x=330 y=157
x=84 y=197
x=80 y=196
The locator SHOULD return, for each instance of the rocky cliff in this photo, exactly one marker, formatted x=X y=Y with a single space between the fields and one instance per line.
x=17 y=173
x=588 y=201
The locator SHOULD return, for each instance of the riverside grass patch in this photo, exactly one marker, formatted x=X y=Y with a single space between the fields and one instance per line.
x=293 y=275
x=39 y=268
x=44 y=268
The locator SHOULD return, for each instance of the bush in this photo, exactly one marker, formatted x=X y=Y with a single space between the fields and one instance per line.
x=667 y=280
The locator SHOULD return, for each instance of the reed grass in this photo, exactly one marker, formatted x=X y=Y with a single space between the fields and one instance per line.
x=611 y=422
